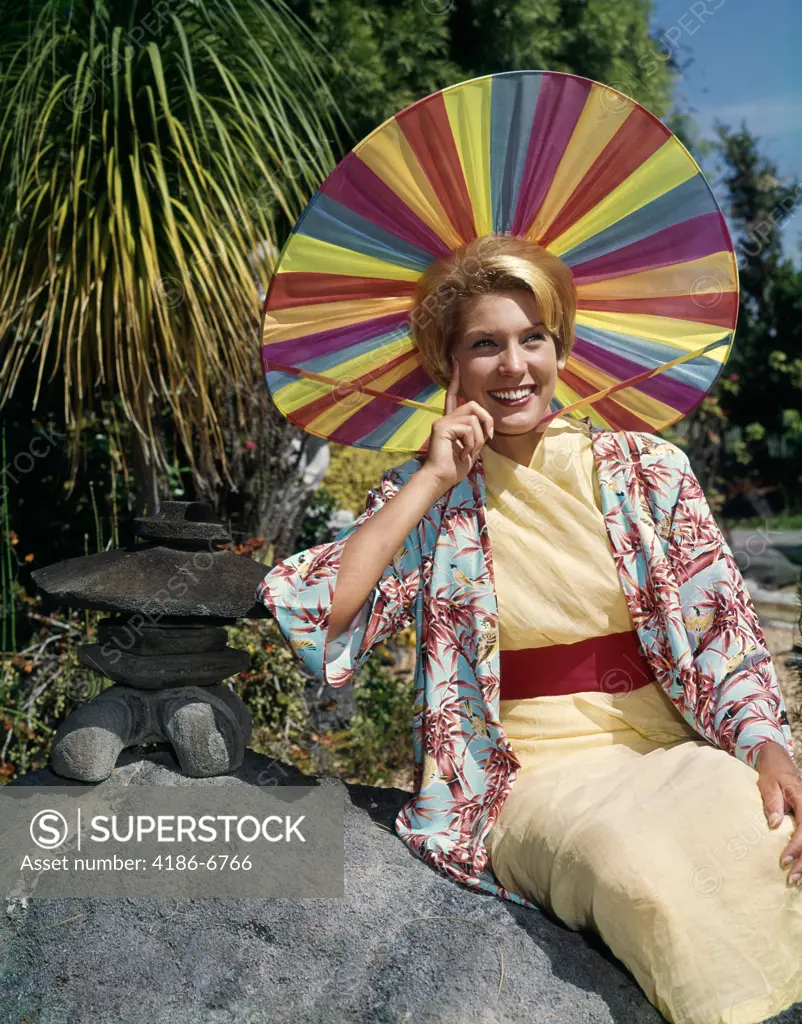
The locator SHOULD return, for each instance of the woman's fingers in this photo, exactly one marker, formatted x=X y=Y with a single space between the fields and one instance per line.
x=794 y=848
x=482 y=425
x=773 y=800
x=782 y=790
x=791 y=858
x=453 y=388
x=463 y=435
x=479 y=435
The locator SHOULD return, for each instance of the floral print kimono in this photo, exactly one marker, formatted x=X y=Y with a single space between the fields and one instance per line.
x=695 y=621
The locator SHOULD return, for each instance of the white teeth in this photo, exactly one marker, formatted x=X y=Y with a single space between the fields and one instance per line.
x=512 y=394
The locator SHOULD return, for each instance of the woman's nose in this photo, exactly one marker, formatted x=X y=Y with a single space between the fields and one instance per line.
x=511 y=360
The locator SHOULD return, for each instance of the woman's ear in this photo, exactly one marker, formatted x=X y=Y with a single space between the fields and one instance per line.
x=561 y=359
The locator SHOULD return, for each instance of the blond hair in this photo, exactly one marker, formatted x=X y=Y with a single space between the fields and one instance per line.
x=492 y=263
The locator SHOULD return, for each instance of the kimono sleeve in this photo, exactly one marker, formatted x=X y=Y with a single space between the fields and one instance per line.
x=732 y=658
x=298 y=593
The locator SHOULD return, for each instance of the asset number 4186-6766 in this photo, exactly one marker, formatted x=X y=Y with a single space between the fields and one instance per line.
x=214 y=862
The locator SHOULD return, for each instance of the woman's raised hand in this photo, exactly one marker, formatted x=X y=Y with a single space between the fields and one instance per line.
x=458 y=437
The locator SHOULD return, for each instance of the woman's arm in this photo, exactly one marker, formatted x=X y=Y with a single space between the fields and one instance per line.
x=299 y=590
x=370 y=549
x=746 y=706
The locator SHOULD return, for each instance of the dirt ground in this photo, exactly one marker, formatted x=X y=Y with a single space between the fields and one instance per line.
x=780 y=640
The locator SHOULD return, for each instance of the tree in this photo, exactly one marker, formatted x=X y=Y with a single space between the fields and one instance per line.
x=388 y=54
x=606 y=40
x=147 y=150
x=384 y=55
x=767 y=354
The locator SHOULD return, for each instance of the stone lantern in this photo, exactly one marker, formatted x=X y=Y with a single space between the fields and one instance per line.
x=169 y=595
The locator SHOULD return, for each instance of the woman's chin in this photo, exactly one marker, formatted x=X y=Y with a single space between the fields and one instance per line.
x=518 y=417
x=525 y=417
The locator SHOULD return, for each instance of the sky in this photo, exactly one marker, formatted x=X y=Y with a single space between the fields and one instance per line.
x=744 y=62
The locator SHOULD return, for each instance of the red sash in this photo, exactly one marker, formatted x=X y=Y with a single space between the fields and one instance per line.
x=612 y=664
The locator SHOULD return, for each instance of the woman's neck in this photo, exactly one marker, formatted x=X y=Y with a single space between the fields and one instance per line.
x=518 y=447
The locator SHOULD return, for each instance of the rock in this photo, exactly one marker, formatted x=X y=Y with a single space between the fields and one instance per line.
x=208 y=726
x=157 y=581
x=186 y=594
x=789 y=542
x=404 y=944
x=774 y=605
x=190 y=522
x=151 y=673
x=151 y=641
x=761 y=559
x=330 y=708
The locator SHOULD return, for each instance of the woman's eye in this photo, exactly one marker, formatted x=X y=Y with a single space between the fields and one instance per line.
x=529 y=337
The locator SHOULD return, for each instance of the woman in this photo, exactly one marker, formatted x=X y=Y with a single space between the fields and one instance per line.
x=596 y=708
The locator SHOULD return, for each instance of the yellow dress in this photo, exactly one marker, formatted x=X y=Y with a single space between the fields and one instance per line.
x=623 y=820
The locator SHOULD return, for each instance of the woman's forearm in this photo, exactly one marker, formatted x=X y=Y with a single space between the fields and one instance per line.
x=371 y=548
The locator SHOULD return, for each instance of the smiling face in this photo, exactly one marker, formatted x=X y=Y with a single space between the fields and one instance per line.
x=501 y=343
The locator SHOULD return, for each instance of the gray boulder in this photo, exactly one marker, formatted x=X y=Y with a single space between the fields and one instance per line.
x=763 y=556
x=404 y=944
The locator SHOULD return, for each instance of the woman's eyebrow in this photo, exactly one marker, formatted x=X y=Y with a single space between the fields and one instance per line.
x=483 y=331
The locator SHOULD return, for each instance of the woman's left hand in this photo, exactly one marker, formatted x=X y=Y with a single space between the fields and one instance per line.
x=780 y=785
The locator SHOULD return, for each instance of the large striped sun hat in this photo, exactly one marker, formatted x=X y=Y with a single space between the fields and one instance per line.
x=563 y=161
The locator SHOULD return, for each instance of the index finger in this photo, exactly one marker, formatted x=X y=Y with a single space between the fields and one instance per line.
x=453 y=388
